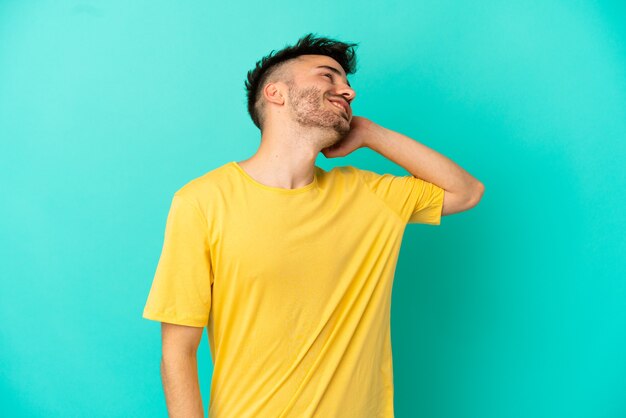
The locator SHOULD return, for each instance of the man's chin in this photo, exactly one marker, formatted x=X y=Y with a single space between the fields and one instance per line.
x=338 y=136
x=338 y=129
x=342 y=130
x=342 y=126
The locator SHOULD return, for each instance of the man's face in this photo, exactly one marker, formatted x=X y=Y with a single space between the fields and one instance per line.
x=320 y=97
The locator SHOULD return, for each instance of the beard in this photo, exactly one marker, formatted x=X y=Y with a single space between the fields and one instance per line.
x=309 y=112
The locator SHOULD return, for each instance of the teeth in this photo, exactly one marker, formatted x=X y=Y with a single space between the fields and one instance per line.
x=338 y=105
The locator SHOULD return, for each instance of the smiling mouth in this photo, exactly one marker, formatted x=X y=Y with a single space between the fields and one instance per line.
x=338 y=106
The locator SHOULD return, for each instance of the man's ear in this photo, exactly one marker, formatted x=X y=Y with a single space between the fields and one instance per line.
x=273 y=93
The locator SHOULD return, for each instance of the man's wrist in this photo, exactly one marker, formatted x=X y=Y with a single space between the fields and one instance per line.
x=378 y=135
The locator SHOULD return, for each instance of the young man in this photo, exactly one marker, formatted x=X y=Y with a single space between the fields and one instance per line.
x=288 y=265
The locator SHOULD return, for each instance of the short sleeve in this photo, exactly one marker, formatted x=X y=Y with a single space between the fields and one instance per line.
x=413 y=199
x=181 y=291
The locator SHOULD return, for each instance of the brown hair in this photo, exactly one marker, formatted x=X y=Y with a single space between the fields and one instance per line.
x=270 y=67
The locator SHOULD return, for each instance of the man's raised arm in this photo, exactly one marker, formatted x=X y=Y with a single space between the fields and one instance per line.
x=462 y=191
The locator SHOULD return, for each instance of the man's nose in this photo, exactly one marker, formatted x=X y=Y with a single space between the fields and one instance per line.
x=347 y=92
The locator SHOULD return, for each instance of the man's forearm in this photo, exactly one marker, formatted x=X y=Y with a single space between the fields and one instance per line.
x=180 y=383
x=423 y=162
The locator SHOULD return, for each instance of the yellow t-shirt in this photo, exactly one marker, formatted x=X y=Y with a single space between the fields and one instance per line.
x=294 y=286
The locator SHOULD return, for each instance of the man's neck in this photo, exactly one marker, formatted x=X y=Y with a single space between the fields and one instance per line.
x=280 y=168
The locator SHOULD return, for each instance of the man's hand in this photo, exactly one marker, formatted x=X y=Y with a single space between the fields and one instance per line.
x=362 y=131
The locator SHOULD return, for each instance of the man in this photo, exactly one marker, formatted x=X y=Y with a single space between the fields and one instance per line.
x=288 y=265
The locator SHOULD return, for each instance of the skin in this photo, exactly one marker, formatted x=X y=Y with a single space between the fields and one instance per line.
x=301 y=122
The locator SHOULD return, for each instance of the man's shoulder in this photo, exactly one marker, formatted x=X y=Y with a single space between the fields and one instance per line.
x=206 y=183
x=342 y=170
x=352 y=172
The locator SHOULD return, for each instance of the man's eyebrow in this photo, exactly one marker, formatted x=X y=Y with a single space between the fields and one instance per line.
x=334 y=70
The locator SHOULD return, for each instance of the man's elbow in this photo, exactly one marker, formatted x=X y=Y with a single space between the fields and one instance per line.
x=477 y=195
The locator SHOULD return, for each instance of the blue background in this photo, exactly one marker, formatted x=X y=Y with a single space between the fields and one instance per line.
x=515 y=308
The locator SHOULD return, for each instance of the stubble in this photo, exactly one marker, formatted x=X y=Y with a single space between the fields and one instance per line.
x=309 y=110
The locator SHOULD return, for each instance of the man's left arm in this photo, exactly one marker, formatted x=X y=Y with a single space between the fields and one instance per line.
x=462 y=191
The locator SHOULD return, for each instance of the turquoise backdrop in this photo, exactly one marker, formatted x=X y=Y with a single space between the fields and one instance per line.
x=514 y=309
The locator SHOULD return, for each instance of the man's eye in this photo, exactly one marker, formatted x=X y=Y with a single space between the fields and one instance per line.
x=329 y=75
